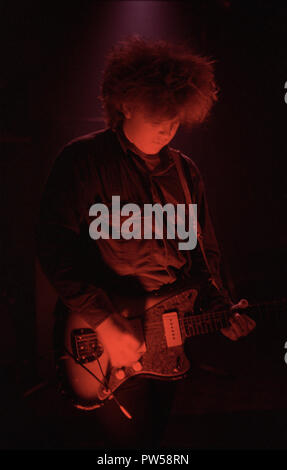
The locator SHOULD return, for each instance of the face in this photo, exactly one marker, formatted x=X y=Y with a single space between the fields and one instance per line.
x=148 y=134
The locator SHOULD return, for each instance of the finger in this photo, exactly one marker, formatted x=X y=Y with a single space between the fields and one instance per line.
x=243 y=303
x=251 y=323
x=239 y=325
x=236 y=316
x=131 y=342
x=233 y=334
x=229 y=333
x=124 y=359
x=236 y=331
x=247 y=323
x=243 y=321
x=142 y=348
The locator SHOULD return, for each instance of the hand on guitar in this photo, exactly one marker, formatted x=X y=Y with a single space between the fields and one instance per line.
x=240 y=324
x=118 y=339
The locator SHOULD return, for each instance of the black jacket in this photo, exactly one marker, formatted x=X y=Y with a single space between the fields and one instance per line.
x=83 y=271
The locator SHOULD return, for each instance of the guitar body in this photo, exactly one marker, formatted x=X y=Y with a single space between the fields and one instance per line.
x=162 y=323
x=158 y=322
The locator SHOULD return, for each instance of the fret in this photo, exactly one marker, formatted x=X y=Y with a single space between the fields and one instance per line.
x=193 y=333
x=218 y=323
x=188 y=327
x=200 y=328
x=213 y=321
x=209 y=327
x=196 y=328
x=205 y=326
x=205 y=323
x=225 y=321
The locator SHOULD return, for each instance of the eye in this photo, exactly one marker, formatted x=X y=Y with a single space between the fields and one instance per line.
x=172 y=125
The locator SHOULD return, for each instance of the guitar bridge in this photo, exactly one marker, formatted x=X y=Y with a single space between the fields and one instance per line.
x=85 y=345
x=172 y=329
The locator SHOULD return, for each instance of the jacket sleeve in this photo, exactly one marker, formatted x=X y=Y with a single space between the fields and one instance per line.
x=59 y=246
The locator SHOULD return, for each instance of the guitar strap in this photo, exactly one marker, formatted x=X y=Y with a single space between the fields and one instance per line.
x=178 y=161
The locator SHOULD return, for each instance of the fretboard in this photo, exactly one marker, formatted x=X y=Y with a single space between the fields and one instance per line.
x=211 y=322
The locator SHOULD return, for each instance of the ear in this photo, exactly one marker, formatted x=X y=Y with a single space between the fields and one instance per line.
x=127 y=110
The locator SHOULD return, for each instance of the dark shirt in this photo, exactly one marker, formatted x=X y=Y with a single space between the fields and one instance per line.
x=84 y=272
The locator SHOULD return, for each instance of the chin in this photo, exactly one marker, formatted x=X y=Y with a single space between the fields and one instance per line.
x=151 y=149
x=155 y=148
x=154 y=151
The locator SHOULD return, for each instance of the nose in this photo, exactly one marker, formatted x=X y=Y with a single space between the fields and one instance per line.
x=166 y=131
x=164 y=134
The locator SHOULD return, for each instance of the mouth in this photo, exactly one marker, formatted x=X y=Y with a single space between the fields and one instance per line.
x=160 y=143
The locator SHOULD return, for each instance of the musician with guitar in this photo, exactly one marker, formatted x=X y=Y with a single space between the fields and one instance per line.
x=127 y=305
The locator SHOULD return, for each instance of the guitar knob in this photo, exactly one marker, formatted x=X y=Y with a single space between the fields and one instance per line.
x=137 y=366
x=120 y=374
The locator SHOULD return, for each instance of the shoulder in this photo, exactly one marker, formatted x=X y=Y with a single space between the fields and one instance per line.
x=93 y=143
x=81 y=157
x=87 y=152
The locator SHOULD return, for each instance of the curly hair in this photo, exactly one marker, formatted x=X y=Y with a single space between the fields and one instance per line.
x=163 y=79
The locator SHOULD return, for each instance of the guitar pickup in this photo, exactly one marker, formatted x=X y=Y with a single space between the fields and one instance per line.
x=85 y=345
x=172 y=329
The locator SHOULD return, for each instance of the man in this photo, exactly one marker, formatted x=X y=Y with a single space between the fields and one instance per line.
x=149 y=89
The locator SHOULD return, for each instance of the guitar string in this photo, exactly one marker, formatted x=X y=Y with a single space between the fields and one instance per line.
x=197 y=319
x=190 y=322
x=201 y=318
x=193 y=323
x=198 y=324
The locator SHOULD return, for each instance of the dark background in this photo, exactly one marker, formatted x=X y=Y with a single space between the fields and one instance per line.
x=52 y=55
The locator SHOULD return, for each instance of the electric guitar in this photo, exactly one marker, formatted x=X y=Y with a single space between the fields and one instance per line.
x=162 y=323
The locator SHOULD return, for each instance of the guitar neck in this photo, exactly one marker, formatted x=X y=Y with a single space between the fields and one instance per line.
x=211 y=322
x=205 y=323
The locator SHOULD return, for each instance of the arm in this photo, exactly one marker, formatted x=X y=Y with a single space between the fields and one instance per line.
x=58 y=238
x=62 y=254
x=208 y=246
x=240 y=324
